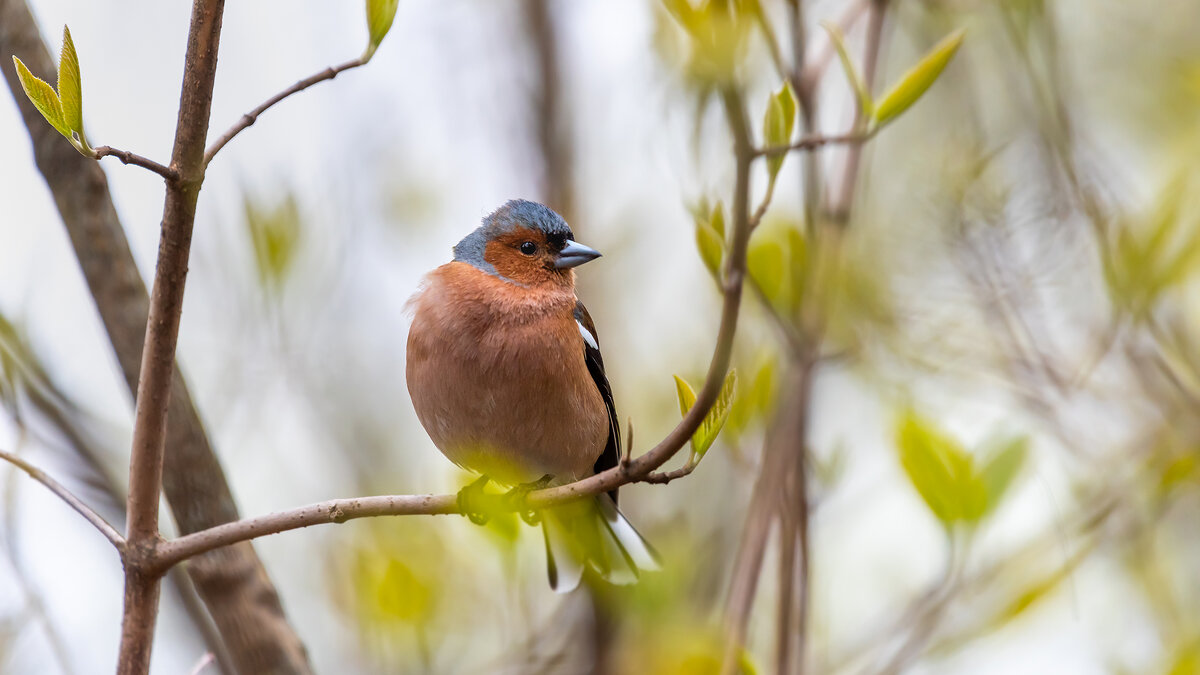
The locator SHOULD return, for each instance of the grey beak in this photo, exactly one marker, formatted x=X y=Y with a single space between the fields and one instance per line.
x=575 y=254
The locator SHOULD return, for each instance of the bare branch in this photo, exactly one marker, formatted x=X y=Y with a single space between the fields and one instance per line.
x=251 y=117
x=815 y=141
x=110 y=533
x=142 y=579
x=127 y=157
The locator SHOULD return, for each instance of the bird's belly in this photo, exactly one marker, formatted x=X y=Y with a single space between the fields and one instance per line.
x=501 y=409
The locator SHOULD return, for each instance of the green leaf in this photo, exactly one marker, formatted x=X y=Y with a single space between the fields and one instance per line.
x=856 y=82
x=941 y=471
x=70 y=93
x=778 y=125
x=918 y=79
x=710 y=239
x=687 y=395
x=43 y=97
x=766 y=263
x=380 y=14
x=997 y=475
x=717 y=219
x=714 y=421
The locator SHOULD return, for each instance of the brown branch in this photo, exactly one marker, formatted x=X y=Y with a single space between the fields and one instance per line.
x=251 y=117
x=110 y=533
x=233 y=584
x=127 y=157
x=812 y=142
x=142 y=579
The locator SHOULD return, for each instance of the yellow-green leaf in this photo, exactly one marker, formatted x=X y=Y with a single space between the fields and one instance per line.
x=380 y=14
x=43 y=97
x=687 y=395
x=717 y=219
x=766 y=263
x=710 y=239
x=999 y=471
x=70 y=93
x=918 y=79
x=856 y=82
x=713 y=422
x=941 y=471
x=778 y=125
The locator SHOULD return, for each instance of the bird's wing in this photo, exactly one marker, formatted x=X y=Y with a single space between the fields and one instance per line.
x=595 y=365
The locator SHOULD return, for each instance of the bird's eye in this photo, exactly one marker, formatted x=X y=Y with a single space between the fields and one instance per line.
x=529 y=248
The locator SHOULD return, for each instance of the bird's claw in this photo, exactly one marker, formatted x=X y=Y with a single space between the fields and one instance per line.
x=515 y=499
x=470 y=501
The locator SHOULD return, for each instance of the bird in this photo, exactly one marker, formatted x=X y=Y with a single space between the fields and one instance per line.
x=506 y=376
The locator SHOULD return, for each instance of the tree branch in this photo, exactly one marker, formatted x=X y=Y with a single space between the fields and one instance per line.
x=110 y=533
x=251 y=117
x=162 y=333
x=127 y=157
x=812 y=142
x=235 y=587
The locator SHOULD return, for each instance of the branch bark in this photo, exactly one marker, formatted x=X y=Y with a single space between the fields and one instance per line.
x=162 y=334
x=232 y=582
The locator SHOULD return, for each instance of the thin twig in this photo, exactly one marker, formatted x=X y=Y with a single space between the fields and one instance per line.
x=251 y=117
x=664 y=477
x=815 y=141
x=110 y=533
x=127 y=157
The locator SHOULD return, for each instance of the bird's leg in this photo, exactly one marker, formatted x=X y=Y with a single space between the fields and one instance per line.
x=515 y=498
x=470 y=500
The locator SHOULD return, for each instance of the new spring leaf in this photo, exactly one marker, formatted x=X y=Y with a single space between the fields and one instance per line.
x=62 y=109
x=916 y=81
x=380 y=14
x=856 y=82
x=707 y=433
x=778 y=124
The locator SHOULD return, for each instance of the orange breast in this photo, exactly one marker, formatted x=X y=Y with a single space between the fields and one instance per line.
x=497 y=376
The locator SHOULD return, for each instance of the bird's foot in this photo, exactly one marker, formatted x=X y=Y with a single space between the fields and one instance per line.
x=471 y=501
x=515 y=499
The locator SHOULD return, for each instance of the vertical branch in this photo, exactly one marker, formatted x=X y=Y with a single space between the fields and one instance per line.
x=553 y=132
x=232 y=582
x=142 y=576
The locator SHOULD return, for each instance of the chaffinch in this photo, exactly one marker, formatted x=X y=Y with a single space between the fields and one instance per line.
x=505 y=374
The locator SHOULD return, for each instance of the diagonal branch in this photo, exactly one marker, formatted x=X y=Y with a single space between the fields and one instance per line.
x=251 y=117
x=110 y=533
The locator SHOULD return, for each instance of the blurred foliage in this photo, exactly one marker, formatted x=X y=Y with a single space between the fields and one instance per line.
x=275 y=231
x=945 y=475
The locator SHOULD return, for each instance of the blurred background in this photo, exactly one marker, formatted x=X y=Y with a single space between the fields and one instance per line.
x=998 y=427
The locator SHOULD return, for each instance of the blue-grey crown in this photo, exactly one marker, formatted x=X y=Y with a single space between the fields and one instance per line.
x=516 y=212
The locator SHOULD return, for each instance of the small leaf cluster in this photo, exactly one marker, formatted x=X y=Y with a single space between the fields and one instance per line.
x=63 y=109
x=714 y=421
x=944 y=473
x=718 y=34
x=906 y=91
x=1158 y=252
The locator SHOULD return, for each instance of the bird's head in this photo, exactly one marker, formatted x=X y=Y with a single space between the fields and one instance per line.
x=526 y=243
